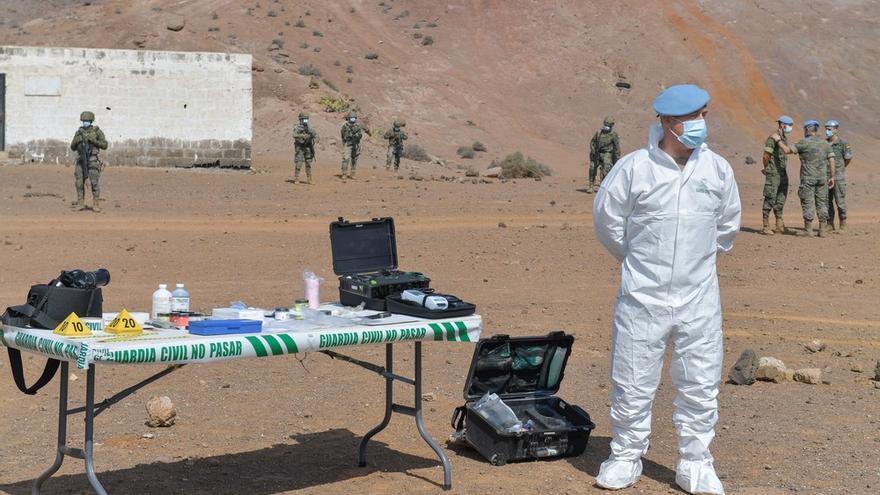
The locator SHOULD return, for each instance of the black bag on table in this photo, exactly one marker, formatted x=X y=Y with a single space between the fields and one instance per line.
x=46 y=307
x=525 y=372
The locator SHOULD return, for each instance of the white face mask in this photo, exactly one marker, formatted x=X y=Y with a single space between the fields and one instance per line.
x=786 y=129
x=305 y=121
x=352 y=120
x=86 y=124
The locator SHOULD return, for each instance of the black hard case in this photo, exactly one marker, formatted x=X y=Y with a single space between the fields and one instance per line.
x=562 y=429
x=363 y=250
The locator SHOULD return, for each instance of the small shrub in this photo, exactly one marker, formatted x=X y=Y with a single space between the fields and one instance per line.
x=349 y=69
x=348 y=80
x=333 y=104
x=478 y=146
x=428 y=40
x=431 y=24
x=337 y=63
x=272 y=13
x=214 y=16
x=516 y=166
x=329 y=84
x=401 y=15
x=471 y=172
x=417 y=26
x=308 y=13
x=279 y=42
x=465 y=152
x=213 y=29
x=415 y=152
x=317 y=49
x=371 y=56
x=317 y=34
x=309 y=70
x=300 y=23
x=287 y=23
x=417 y=35
x=303 y=45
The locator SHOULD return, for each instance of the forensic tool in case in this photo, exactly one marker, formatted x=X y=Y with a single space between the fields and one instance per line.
x=365 y=258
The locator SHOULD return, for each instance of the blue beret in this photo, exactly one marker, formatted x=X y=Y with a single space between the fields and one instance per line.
x=681 y=99
x=785 y=119
x=832 y=123
x=811 y=122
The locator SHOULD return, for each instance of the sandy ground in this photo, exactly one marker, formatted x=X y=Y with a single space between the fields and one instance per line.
x=275 y=426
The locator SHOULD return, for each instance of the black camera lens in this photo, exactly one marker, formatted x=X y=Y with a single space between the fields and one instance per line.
x=80 y=279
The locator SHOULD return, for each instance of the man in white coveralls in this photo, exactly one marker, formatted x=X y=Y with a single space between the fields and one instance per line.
x=665 y=211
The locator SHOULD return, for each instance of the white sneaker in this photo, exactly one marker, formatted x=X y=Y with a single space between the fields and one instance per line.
x=698 y=477
x=615 y=474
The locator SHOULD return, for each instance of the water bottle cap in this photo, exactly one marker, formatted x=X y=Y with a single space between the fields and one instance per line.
x=163 y=286
x=179 y=286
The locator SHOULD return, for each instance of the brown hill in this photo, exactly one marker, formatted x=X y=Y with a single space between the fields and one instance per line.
x=514 y=74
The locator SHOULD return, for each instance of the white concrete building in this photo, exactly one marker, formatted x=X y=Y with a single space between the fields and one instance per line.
x=156 y=108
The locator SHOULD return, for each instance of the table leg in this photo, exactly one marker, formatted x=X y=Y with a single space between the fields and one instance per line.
x=389 y=401
x=420 y=422
x=62 y=449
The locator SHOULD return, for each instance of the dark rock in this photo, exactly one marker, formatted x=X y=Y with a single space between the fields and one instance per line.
x=743 y=371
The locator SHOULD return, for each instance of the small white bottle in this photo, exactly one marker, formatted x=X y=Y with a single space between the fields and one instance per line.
x=161 y=302
x=180 y=299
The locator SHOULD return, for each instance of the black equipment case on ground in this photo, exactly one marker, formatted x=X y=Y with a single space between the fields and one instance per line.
x=525 y=372
x=365 y=258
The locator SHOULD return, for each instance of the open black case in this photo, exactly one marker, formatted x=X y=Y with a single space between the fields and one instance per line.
x=365 y=258
x=525 y=372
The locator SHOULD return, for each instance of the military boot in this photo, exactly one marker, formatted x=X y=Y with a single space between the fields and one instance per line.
x=780 y=226
x=80 y=203
x=95 y=206
x=808 y=228
x=591 y=188
x=842 y=224
x=308 y=178
x=823 y=228
x=767 y=230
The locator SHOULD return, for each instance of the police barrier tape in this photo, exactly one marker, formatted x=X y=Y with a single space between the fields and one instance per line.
x=179 y=347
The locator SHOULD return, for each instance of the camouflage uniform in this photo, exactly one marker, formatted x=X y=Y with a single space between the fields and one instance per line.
x=604 y=152
x=304 y=139
x=837 y=194
x=351 y=146
x=814 y=153
x=775 y=182
x=395 y=137
x=86 y=142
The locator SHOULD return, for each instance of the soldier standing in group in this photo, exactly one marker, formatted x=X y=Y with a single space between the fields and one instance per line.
x=351 y=144
x=776 y=176
x=88 y=139
x=604 y=152
x=842 y=156
x=304 y=139
x=395 y=137
x=817 y=174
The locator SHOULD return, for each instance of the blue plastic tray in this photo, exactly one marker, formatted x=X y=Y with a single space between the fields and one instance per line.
x=224 y=327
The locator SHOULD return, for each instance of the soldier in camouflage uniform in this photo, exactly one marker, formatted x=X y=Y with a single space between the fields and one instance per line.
x=351 y=144
x=604 y=152
x=88 y=139
x=304 y=140
x=775 y=176
x=395 y=137
x=842 y=156
x=817 y=174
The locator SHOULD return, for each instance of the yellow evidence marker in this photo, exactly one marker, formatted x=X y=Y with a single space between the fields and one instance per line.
x=124 y=324
x=72 y=326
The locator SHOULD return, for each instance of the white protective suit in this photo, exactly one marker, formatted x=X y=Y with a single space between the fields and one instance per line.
x=666 y=225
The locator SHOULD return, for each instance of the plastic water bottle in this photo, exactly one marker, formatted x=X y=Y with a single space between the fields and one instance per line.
x=161 y=302
x=180 y=299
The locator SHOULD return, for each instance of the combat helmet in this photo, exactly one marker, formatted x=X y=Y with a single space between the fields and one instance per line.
x=399 y=123
x=87 y=116
x=609 y=121
x=303 y=115
x=350 y=114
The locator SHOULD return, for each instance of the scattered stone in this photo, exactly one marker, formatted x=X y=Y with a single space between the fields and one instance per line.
x=161 y=412
x=502 y=225
x=73 y=377
x=175 y=23
x=815 y=346
x=148 y=436
x=877 y=371
x=770 y=369
x=743 y=371
x=877 y=384
x=857 y=368
x=492 y=172
x=429 y=397
x=810 y=376
x=750 y=160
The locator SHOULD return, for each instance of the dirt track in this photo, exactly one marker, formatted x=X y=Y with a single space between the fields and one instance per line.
x=273 y=426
